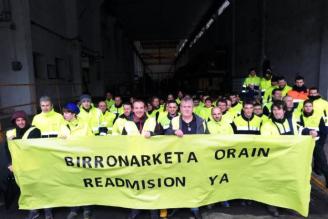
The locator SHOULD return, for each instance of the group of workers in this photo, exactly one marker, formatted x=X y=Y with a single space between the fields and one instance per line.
x=268 y=107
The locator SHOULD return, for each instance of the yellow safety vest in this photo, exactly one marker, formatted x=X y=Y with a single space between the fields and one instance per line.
x=221 y=127
x=164 y=120
x=236 y=110
x=92 y=118
x=48 y=123
x=109 y=103
x=265 y=84
x=117 y=111
x=206 y=113
x=252 y=80
x=107 y=119
x=175 y=123
x=10 y=134
x=242 y=126
x=131 y=128
x=271 y=128
x=77 y=127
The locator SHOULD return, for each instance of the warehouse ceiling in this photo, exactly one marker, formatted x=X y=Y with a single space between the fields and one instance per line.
x=158 y=27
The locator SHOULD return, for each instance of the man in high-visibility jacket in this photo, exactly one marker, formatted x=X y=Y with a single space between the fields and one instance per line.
x=205 y=112
x=290 y=110
x=299 y=92
x=319 y=104
x=165 y=118
x=276 y=95
x=180 y=96
x=109 y=100
x=22 y=130
x=258 y=110
x=197 y=106
x=283 y=86
x=185 y=124
x=48 y=121
x=252 y=82
x=156 y=108
x=117 y=108
x=227 y=117
x=236 y=106
x=119 y=122
x=268 y=92
x=314 y=125
x=217 y=125
x=107 y=119
x=247 y=122
x=140 y=124
x=89 y=114
x=266 y=81
x=277 y=125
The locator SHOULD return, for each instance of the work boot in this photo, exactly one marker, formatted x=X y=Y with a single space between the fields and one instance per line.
x=33 y=214
x=273 y=210
x=87 y=214
x=72 y=215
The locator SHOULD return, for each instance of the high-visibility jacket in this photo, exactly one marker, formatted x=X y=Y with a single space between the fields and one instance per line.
x=178 y=101
x=265 y=84
x=197 y=110
x=155 y=112
x=267 y=108
x=298 y=96
x=319 y=105
x=76 y=127
x=243 y=125
x=236 y=109
x=227 y=117
x=12 y=133
x=109 y=103
x=176 y=123
x=91 y=117
x=107 y=119
x=315 y=122
x=118 y=126
x=117 y=110
x=267 y=97
x=285 y=90
x=48 y=123
x=220 y=127
x=164 y=120
x=130 y=127
x=284 y=127
x=206 y=113
x=252 y=80
x=264 y=118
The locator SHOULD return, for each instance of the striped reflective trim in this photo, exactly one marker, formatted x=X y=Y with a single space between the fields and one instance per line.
x=246 y=128
x=50 y=133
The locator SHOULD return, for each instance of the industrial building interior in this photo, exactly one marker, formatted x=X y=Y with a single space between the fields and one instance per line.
x=142 y=48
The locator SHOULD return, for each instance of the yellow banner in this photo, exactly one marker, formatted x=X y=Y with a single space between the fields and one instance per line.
x=164 y=171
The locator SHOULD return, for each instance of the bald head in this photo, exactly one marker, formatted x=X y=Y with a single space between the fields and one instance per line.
x=216 y=114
